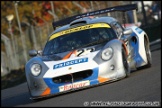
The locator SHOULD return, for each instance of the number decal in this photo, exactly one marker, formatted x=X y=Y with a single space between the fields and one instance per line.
x=91 y=49
x=82 y=52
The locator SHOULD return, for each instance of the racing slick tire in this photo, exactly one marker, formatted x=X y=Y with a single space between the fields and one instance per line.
x=125 y=63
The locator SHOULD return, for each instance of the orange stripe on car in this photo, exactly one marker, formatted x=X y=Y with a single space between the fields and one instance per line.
x=69 y=54
x=46 y=92
x=101 y=79
x=74 y=52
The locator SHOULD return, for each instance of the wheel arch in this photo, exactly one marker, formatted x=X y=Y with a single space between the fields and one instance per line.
x=147 y=39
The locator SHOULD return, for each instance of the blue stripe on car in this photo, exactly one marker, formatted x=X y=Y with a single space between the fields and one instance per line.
x=139 y=30
x=138 y=59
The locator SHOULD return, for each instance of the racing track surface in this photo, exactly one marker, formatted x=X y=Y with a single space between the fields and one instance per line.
x=143 y=85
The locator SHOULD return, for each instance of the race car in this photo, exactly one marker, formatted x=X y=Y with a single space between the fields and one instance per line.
x=86 y=51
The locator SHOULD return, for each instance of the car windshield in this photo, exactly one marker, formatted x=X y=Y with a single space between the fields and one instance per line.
x=79 y=39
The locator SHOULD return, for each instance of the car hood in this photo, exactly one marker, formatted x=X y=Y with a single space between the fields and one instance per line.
x=72 y=53
x=70 y=63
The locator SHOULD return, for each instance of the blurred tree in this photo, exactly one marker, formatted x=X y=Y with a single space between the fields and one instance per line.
x=2 y=46
x=38 y=10
x=46 y=6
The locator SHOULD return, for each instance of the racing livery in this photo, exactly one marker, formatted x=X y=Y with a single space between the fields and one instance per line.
x=85 y=52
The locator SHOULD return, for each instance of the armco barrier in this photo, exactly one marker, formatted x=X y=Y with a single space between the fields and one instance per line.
x=155 y=42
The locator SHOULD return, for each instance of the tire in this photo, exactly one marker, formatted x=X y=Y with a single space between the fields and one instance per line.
x=148 y=54
x=125 y=63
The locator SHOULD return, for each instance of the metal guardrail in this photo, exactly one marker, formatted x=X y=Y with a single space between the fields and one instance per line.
x=155 y=42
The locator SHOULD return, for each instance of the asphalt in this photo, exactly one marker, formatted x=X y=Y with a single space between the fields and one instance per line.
x=143 y=87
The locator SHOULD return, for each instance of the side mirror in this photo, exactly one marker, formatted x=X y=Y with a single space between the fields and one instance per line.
x=33 y=53
x=40 y=52
x=127 y=31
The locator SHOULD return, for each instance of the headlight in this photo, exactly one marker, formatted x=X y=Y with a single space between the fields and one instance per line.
x=36 y=69
x=107 y=53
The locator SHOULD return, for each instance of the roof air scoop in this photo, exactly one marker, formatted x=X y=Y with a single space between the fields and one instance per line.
x=77 y=23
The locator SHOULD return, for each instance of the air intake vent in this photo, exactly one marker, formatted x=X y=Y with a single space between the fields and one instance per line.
x=77 y=23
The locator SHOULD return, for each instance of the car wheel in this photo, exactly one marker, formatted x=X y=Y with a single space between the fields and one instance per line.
x=148 y=53
x=125 y=63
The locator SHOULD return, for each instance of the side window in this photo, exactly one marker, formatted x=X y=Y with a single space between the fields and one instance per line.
x=118 y=28
x=114 y=28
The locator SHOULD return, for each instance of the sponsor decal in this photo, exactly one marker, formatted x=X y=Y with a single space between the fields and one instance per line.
x=74 y=85
x=89 y=26
x=71 y=62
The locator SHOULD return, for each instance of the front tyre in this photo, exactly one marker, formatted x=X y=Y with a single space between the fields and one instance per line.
x=125 y=63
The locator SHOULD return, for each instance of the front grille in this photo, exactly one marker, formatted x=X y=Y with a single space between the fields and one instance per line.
x=82 y=75
x=63 y=79
x=74 y=76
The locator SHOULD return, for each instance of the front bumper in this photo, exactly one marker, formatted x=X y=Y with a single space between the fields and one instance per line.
x=83 y=75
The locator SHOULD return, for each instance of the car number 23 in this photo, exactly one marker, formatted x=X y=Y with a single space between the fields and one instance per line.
x=82 y=52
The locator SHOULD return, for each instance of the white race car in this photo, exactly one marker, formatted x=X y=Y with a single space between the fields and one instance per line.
x=85 y=52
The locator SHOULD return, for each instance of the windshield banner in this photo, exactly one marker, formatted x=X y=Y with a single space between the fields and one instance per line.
x=96 y=25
